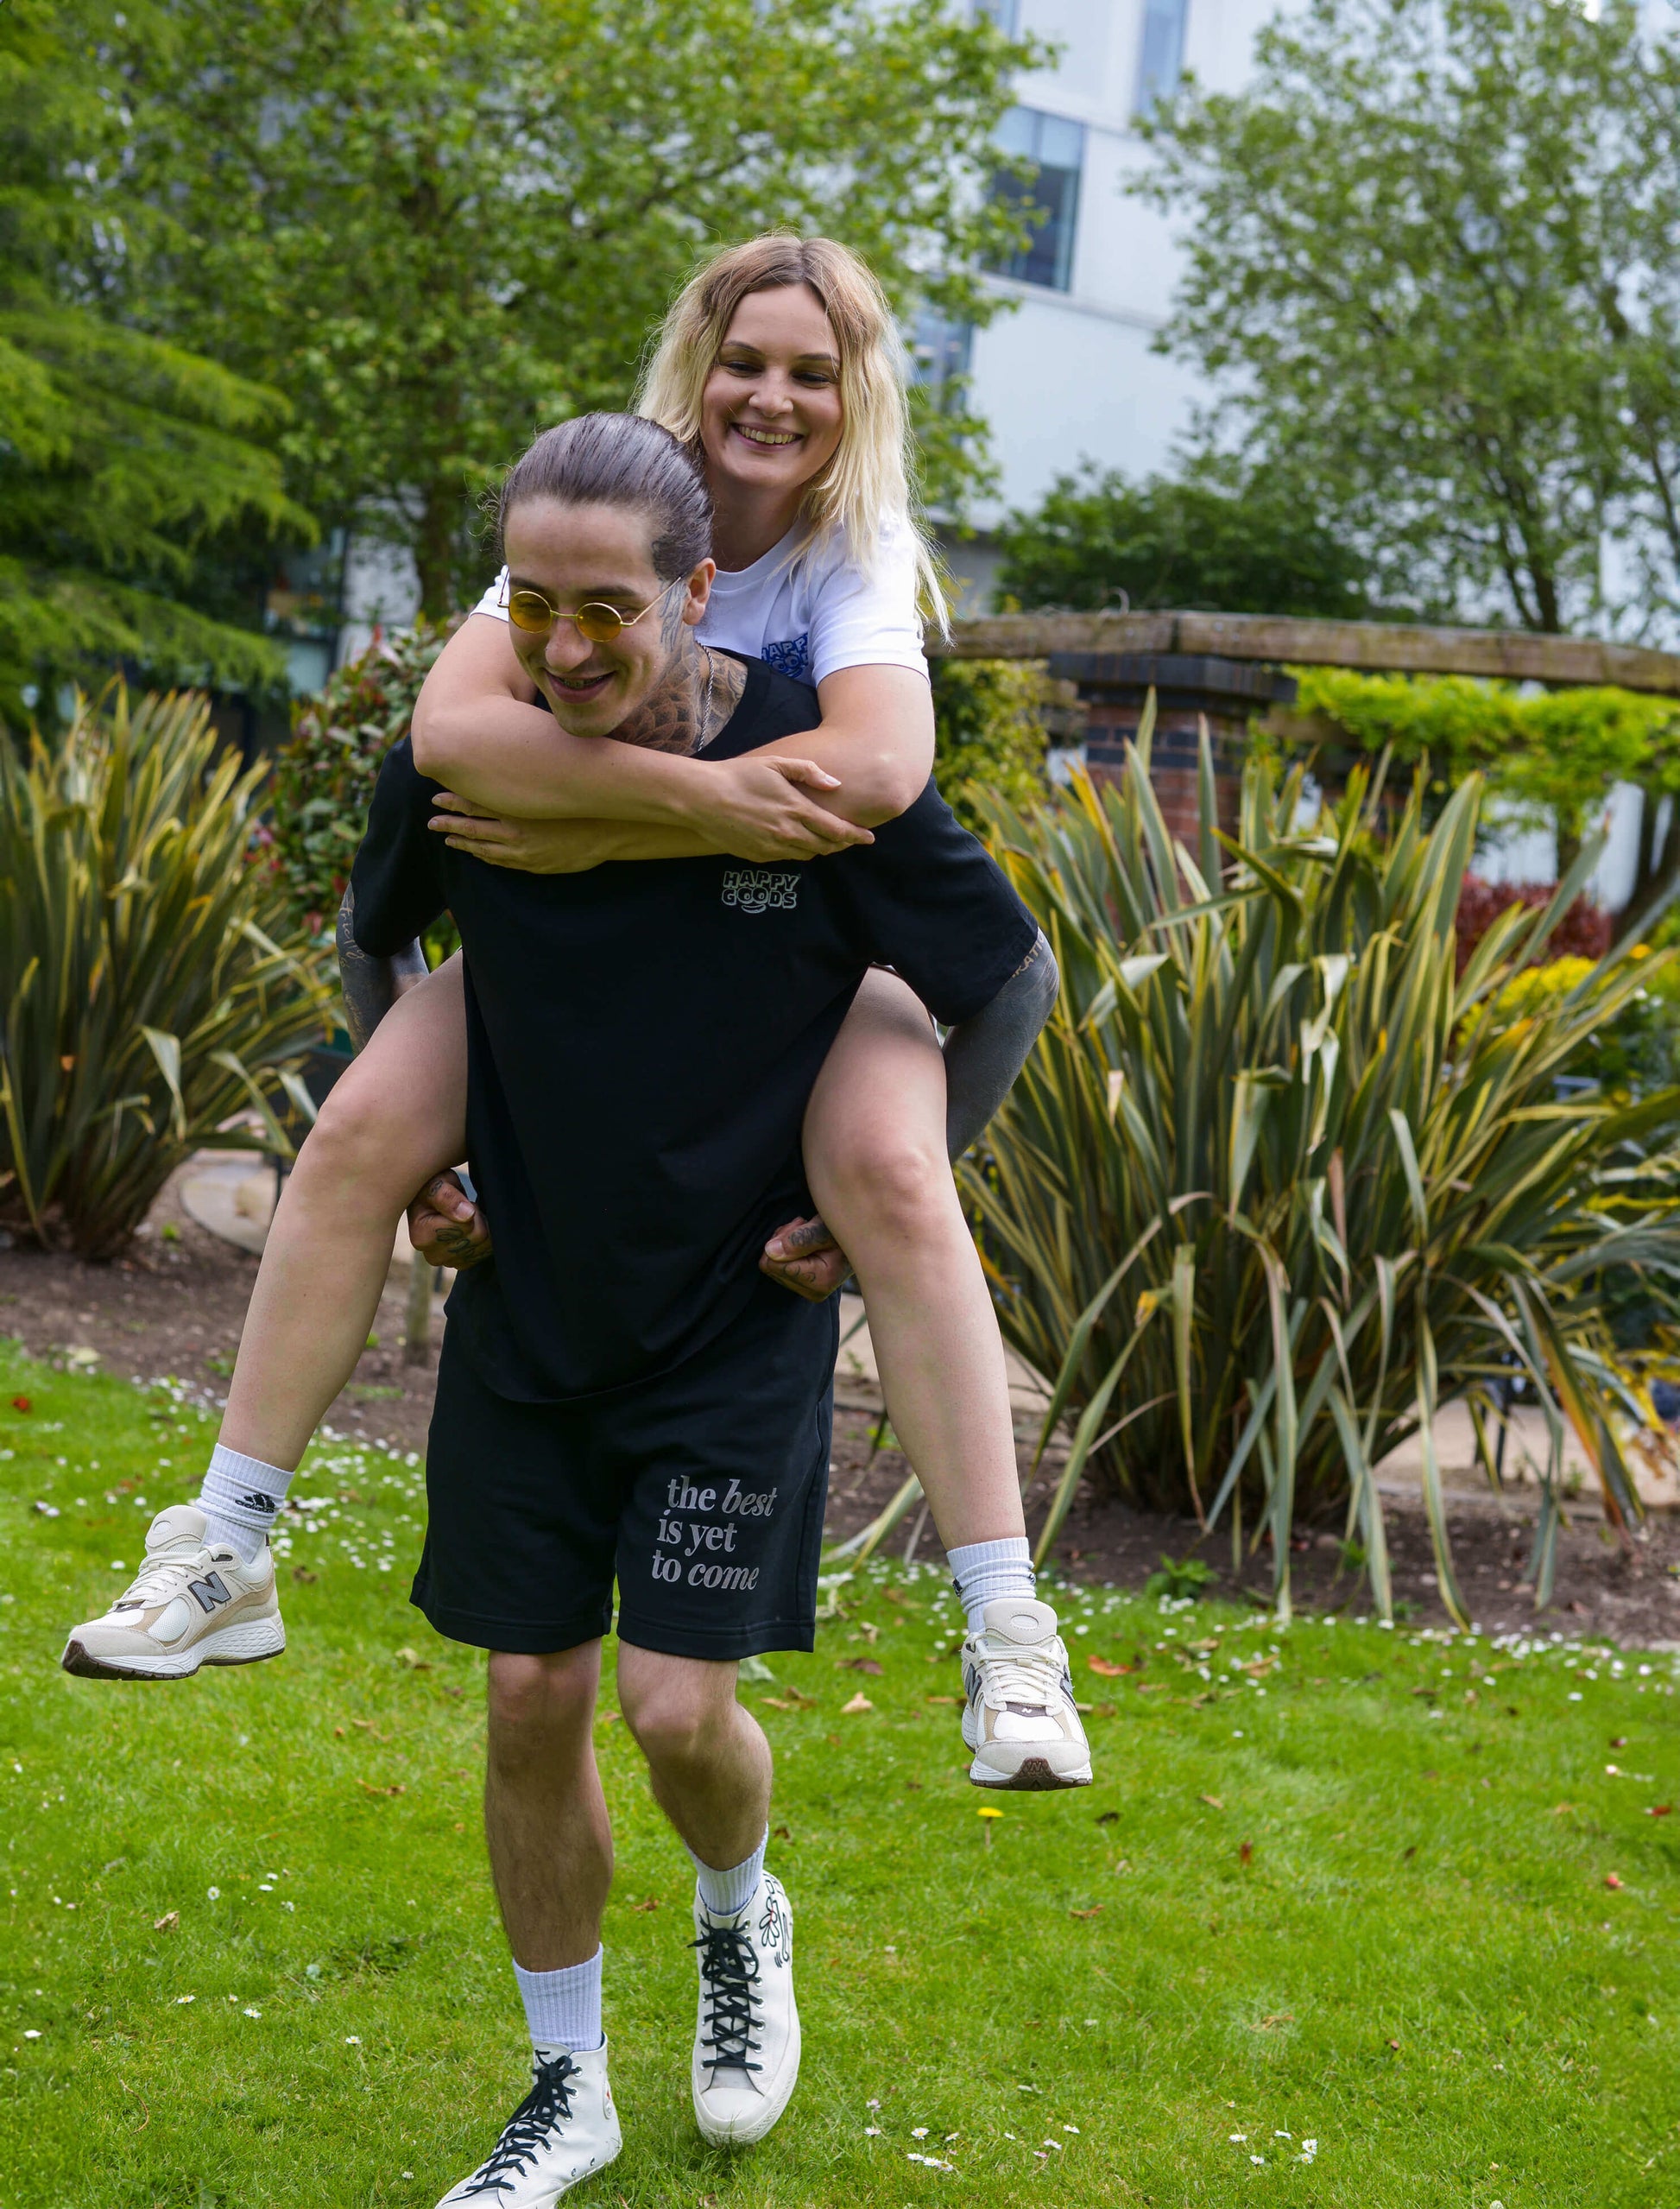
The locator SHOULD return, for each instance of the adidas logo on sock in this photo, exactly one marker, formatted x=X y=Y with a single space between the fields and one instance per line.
x=255 y=1501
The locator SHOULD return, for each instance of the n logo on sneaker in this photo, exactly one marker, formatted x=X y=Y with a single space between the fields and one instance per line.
x=209 y=1592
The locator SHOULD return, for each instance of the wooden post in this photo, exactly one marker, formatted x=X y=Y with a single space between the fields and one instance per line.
x=417 y=1312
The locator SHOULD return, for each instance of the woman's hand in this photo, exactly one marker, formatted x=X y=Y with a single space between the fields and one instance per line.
x=763 y=809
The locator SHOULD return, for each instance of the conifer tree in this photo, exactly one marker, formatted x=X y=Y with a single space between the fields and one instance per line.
x=120 y=455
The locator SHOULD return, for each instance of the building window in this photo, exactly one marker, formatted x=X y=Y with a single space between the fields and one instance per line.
x=1057 y=147
x=1160 y=51
x=940 y=351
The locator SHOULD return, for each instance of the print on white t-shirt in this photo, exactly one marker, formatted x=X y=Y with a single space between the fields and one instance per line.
x=808 y=613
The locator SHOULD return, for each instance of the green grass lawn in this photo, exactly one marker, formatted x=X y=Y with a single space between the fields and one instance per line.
x=1335 y=1885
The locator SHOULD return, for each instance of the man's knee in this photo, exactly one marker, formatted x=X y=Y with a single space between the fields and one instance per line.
x=538 y=1699
x=675 y=1709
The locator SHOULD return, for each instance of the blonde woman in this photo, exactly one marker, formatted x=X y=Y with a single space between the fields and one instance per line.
x=780 y=368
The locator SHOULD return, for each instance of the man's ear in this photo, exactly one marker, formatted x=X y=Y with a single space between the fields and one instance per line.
x=699 y=591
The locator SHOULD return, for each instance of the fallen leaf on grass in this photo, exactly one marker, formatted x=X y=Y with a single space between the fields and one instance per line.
x=396 y=1787
x=782 y=1834
x=1108 y=1671
x=652 y=1904
x=167 y=1922
x=1395 y=2045
x=939 y=1698
x=1108 y=1818
x=1246 y=1852
x=859 y=1703
x=1611 y=1880
x=1287 y=2017
x=1213 y=1803
x=301 y=1572
x=1095 y=1910
x=412 y=1661
x=607 y=1718
x=860 y=1664
x=1659 y=1810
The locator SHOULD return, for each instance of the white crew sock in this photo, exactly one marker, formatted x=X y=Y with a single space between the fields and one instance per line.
x=563 y=2007
x=726 y=1894
x=983 y=1571
x=240 y=1499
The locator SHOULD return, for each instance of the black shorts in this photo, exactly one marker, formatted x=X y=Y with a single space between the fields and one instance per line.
x=701 y=1492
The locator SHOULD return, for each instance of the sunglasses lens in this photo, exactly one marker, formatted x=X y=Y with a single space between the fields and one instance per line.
x=531 y=612
x=599 y=624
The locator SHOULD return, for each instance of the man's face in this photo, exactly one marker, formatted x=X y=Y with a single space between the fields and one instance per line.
x=600 y=555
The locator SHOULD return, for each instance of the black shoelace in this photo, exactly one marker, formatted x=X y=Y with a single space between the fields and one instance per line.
x=729 y=1969
x=527 y=2130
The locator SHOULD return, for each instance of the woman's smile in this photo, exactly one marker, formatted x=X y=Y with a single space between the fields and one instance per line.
x=756 y=433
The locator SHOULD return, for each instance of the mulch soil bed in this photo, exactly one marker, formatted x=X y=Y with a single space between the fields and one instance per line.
x=175 y=1306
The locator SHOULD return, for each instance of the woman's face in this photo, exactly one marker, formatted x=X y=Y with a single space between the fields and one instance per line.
x=578 y=555
x=771 y=414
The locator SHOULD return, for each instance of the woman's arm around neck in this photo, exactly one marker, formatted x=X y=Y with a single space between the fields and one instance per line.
x=478 y=731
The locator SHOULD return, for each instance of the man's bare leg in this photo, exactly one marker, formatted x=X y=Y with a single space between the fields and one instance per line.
x=707 y=1757
x=544 y=1815
x=550 y=1857
x=710 y=1767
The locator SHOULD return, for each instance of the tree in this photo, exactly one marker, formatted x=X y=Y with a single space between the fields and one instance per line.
x=1554 y=756
x=121 y=454
x=1205 y=541
x=1434 y=259
x=437 y=225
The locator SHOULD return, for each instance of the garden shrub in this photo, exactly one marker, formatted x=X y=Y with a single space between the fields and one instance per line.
x=323 y=775
x=989 y=730
x=1583 y=932
x=151 y=983
x=1277 y=1181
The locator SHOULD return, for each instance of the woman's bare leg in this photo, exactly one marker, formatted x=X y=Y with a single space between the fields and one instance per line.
x=874 y=1149
x=396 y=1116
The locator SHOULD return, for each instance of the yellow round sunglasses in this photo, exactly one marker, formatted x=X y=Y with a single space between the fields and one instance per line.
x=535 y=616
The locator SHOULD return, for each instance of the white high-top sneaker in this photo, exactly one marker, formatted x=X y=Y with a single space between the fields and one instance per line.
x=191 y=1603
x=565 y=2128
x=1019 y=1716
x=747 y=2031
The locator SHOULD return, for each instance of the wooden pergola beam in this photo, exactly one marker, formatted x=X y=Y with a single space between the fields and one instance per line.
x=1378 y=647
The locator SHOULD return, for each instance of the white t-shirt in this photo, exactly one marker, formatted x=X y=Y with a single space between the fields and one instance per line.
x=812 y=614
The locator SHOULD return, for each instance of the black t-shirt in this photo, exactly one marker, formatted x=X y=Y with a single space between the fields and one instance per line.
x=642 y=1041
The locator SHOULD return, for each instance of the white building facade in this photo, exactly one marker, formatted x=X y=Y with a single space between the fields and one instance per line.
x=1070 y=375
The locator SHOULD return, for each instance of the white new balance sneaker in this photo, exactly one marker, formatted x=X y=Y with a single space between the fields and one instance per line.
x=565 y=2128
x=747 y=2032
x=192 y=1604
x=1019 y=1716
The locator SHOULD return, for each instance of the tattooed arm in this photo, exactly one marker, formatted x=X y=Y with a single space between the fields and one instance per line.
x=371 y=987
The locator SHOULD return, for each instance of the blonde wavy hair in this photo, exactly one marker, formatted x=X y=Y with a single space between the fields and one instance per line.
x=869 y=481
